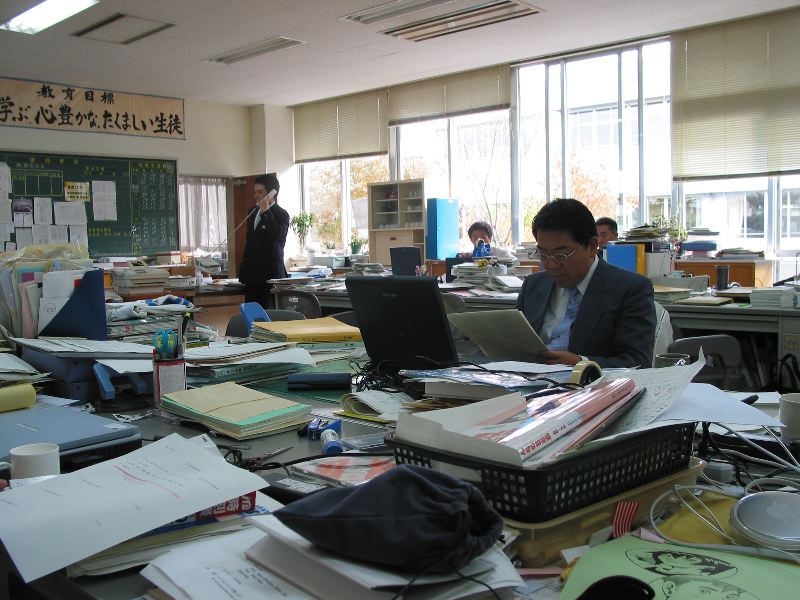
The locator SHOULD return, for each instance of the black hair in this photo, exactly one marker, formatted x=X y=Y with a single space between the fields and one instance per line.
x=481 y=225
x=566 y=214
x=612 y=224
x=269 y=181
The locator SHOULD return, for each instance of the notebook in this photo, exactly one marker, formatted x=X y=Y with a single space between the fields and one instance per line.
x=500 y=334
x=73 y=430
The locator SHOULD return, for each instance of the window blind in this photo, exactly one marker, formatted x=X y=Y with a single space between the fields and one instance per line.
x=460 y=93
x=344 y=127
x=736 y=98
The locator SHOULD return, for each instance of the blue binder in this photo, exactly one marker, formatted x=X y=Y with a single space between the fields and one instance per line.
x=84 y=314
x=623 y=256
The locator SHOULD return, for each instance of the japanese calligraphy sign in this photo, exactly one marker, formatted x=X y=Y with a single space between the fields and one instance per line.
x=45 y=105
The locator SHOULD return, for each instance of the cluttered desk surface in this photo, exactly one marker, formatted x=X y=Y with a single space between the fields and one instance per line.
x=241 y=391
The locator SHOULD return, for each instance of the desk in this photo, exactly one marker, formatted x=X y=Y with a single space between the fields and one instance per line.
x=748 y=273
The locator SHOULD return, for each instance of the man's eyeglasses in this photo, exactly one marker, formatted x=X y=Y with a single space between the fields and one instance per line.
x=559 y=257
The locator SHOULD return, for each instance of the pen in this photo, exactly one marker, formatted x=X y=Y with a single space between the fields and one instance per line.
x=274 y=453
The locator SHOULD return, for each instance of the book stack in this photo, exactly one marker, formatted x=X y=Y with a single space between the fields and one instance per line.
x=236 y=411
x=668 y=295
x=740 y=254
x=774 y=297
x=325 y=329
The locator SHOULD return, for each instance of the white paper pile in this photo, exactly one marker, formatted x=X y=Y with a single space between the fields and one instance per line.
x=775 y=297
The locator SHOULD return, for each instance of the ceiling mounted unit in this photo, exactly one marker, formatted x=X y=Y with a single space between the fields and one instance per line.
x=253 y=50
x=390 y=10
x=480 y=15
x=122 y=29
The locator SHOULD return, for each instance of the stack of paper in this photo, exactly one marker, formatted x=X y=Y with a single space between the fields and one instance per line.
x=774 y=297
x=668 y=295
x=475 y=275
x=504 y=283
x=237 y=411
x=374 y=405
x=326 y=329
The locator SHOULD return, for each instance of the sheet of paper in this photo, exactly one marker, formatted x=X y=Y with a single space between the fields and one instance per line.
x=5 y=210
x=5 y=181
x=23 y=236
x=5 y=236
x=78 y=234
x=217 y=568
x=42 y=211
x=58 y=234
x=69 y=213
x=679 y=572
x=104 y=200
x=10 y=246
x=128 y=365
x=40 y=234
x=705 y=402
x=67 y=518
x=19 y=220
x=27 y=220
x=664 y=386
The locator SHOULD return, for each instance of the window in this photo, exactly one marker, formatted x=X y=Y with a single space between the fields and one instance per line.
x=363 y=171
x=322 y=191
x=202 y=213
x=424 y=154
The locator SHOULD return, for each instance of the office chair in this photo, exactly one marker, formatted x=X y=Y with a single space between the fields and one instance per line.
x=723 y=357
x=348 y=317
x=302 y=302
x=664 y=334
x=253 y=311
x=276 y=314
x=237 y=327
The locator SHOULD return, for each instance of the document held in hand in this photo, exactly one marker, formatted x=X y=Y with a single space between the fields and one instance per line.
x=514 y=430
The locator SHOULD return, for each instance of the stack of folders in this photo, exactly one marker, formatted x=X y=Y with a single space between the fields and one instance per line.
x=237 y=411
x=325 y=329
x=667 y=295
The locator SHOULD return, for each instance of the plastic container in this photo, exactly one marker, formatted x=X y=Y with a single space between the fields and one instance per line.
x=543 y=493
x=540 y=543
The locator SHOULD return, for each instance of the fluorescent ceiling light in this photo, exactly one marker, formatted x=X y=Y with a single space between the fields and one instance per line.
x=122 y=29
x=479 y=15
x=46 y=14
x=391 y=10
x=257 y=49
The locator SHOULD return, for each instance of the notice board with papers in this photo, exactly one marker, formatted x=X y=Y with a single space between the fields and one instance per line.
x=115 y=206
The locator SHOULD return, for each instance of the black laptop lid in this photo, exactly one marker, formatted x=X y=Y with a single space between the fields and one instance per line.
x=401 y=319
x=405 y=259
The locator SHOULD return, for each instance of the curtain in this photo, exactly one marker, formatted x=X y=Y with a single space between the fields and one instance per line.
x=203 y=219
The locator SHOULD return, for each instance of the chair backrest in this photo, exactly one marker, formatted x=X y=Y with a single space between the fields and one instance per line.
x=723 y=350
x=663 y=338
x=277 y=314
x=302 y=302
x=252 y=311
x=237 y=327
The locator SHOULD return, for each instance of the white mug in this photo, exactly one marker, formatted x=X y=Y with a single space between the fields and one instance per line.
x=789 y=415
x=33 y=460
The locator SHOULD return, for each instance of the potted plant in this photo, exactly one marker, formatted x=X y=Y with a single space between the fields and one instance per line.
x=301 y=225
x=356 y=242
x=329 y=246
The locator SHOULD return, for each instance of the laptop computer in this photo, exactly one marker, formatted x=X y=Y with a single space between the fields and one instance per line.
x=405 y=259
x=402 y=321
x=73 y=430
x=500 y=334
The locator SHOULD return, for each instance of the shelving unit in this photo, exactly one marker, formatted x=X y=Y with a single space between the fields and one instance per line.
x=396 y=217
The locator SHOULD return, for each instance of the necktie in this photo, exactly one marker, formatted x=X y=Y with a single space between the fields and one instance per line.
x=559 y=338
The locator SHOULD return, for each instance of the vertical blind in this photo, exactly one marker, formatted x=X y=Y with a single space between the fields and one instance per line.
x=358 y=125
x=736 y=98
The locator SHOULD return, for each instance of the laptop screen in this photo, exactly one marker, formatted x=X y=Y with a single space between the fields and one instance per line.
x=405 y=259
x=401 y=319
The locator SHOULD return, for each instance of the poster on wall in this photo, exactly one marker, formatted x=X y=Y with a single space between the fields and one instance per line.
x=47 y=105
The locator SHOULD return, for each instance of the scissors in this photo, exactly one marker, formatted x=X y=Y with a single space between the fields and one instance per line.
x=165 y=342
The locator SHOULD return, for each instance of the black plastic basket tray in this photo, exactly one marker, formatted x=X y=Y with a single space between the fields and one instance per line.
x=543 y=493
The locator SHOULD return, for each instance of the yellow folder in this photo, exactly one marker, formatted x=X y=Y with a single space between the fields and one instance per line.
x=325 y=329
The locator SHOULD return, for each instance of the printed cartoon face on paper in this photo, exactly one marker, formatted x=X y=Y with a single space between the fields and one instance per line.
x=681 y=563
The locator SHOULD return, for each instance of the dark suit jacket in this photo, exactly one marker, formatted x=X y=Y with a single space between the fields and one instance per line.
x=616 y=321
x=263 y=248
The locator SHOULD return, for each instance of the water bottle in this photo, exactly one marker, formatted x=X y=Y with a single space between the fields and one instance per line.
x=480 y=250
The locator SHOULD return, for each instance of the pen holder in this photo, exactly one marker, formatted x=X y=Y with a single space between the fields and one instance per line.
x=169 y=375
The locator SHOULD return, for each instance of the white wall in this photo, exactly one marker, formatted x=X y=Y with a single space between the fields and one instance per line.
x=217 y=141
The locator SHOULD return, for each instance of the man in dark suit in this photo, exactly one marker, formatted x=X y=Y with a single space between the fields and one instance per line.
x=581 y=306
x=267 y=227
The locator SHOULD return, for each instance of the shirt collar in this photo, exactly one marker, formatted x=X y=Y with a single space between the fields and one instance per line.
x=585 y=281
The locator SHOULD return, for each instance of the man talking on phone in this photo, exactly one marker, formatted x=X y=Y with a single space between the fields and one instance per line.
x=267 y=227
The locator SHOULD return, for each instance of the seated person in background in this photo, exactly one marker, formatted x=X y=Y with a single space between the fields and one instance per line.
x=606 y=230
x=581 y=306
x=481 y=230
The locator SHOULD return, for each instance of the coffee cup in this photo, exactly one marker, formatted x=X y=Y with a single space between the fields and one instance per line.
x=789 y=415
x=33 y=460
x=671 y=359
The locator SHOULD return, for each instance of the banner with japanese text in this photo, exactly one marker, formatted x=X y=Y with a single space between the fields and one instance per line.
x=44 y=105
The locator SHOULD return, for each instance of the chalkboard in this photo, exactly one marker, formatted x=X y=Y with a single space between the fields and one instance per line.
x=131 y=204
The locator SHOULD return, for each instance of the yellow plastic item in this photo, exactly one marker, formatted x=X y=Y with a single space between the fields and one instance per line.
x=14 y=397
